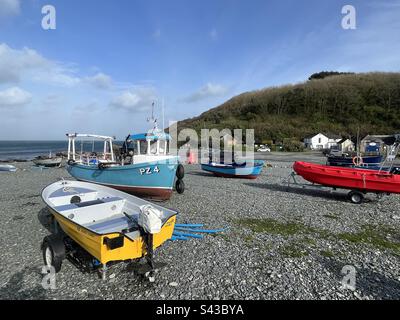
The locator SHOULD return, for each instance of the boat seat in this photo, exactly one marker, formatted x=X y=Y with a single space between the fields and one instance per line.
x=86 y=204
x=115 y=224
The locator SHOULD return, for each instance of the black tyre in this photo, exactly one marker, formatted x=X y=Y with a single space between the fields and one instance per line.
x=53 y=250
x=356 y=197
x=180 y=186
x=71 y=162
x=101 y=166
x=180 y=172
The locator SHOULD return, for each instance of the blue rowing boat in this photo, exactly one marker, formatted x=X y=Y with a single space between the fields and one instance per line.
x=247 y=170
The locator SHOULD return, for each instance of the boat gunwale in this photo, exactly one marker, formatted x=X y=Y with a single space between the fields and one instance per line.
x=94 y=232
x=310 y=166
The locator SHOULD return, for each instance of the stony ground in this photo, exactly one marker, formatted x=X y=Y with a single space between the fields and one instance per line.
x=280 y=244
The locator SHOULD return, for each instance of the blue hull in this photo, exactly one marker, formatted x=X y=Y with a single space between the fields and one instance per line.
x=153 y=179
x=250 y=171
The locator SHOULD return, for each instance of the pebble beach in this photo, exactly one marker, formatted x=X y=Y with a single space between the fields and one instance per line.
x=279 y=242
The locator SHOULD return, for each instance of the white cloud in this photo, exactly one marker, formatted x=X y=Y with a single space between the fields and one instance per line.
x=27 y=64
x=17 y=65
x=14 y=63
x=9 y=8
x=136 y=99
x=100 y=81
x=13 y=97
x=209 y=90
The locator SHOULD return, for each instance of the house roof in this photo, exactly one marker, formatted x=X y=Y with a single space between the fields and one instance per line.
x=377 y=137
x=333 y=136
x=386 y=139
x=344 y=140
x=309 y=136
x=329 y=135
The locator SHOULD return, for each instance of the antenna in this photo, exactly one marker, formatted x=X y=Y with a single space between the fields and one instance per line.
x=163 y=122
x=154 y=120
x=152 y=113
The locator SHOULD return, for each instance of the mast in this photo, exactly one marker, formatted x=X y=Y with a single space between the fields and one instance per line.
x=163 y=118
x=152 y=119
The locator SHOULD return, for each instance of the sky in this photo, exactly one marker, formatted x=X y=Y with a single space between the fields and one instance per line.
x=106 y=61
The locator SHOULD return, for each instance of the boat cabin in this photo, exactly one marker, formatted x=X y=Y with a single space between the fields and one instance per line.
x=153 y=143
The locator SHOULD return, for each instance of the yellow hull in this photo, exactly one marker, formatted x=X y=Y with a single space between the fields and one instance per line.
x=95 y=245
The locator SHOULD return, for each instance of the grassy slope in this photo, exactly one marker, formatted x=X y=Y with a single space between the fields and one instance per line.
x=337 y=104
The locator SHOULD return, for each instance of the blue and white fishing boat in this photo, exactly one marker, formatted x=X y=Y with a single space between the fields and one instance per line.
x=247 y=170
x=348 y=161
x=143 y=166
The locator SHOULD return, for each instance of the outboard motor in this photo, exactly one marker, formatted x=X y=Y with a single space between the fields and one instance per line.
x=150 y=223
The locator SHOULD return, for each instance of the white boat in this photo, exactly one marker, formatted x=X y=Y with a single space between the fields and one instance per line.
x=7 y=168
x=108 y=224
x=48 y=161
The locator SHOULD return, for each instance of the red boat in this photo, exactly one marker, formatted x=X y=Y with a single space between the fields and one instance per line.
x=358 y=180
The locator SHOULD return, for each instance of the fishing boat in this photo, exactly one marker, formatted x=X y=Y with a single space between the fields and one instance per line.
x=348 y=161
x=97 y=226
x=246 y=170
x=7 y=168
x=48 y=161
x=144 y=167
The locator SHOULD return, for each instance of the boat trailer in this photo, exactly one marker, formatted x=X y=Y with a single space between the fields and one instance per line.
x=356 y=196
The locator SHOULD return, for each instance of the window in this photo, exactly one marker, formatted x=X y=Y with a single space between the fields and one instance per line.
x=143 y=147
x=319 y=140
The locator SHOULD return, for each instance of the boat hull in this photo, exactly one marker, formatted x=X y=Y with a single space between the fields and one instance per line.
x=349 y=178
x=7 y=168
x=153 y=180
x=48 y=162
x=239 y=172
x=95 y=243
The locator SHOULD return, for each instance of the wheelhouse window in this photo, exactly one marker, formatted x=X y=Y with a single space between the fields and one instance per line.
x=143 y=146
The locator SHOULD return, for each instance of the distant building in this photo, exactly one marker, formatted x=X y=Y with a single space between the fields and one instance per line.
x=346 y=145
x=229 y=140
x=373 y=143
x=321 y=141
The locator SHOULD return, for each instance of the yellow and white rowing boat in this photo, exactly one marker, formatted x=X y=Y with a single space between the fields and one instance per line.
x=108 y=224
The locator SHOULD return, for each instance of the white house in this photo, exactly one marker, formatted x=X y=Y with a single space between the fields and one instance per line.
x=321 y=141
x=346 y=145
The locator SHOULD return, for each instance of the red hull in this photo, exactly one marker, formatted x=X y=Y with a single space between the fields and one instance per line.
x=224 y=175
x=348 y=178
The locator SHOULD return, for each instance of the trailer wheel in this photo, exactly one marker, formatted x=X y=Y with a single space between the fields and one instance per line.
x=179 y=186
x=356 y=197
x=53 y=250
x=180 y=172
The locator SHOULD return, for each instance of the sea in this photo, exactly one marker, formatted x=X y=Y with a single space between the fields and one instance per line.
x=28 y=150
